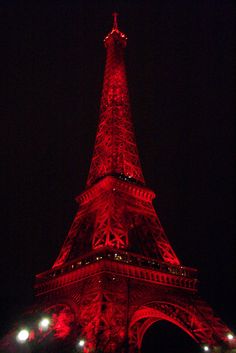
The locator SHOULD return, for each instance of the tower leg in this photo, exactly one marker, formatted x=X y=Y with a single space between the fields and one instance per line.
x=103 y=315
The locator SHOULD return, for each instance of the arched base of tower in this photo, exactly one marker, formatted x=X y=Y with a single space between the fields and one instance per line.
x=162 y=336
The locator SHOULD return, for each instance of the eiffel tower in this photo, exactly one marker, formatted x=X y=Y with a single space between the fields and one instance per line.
x=116 y=273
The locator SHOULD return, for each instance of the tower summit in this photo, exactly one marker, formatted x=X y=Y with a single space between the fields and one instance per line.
x=115 y=23
x=115 y=151
x=117 y=273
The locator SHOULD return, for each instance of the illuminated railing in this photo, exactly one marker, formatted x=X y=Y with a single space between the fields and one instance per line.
x=121 y=257
x=115 y=264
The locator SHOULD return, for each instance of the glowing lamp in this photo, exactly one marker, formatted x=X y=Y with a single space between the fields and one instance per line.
x=22 y=336
x=44 y=324
x=81 y=343
x=230 y=336
x=206 y=348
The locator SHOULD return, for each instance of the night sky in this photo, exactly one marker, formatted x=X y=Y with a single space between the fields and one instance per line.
x=180 y=65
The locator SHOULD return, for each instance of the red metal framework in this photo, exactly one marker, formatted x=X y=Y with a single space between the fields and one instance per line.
x=116 y=210
x=115 y=150
x=117 y=266
x=117 y=272
x=118 y=214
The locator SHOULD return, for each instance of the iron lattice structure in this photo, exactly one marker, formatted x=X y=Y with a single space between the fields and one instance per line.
x=117 y=273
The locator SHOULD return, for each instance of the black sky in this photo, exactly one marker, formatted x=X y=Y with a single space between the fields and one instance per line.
x=181 y=72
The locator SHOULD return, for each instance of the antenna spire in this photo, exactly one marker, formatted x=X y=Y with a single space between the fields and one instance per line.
x=115 y=25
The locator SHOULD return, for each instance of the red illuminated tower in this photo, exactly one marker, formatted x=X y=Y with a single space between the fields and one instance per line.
x=117 y=273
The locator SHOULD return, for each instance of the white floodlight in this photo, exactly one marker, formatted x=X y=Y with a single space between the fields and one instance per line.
x=22 y=336
x=230 y=336
x=44 y=323
x=81 y=343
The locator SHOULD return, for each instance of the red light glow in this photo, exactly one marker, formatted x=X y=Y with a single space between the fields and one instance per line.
x=117 y=268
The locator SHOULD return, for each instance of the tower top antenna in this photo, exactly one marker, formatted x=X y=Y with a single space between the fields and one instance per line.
x=115 y=24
